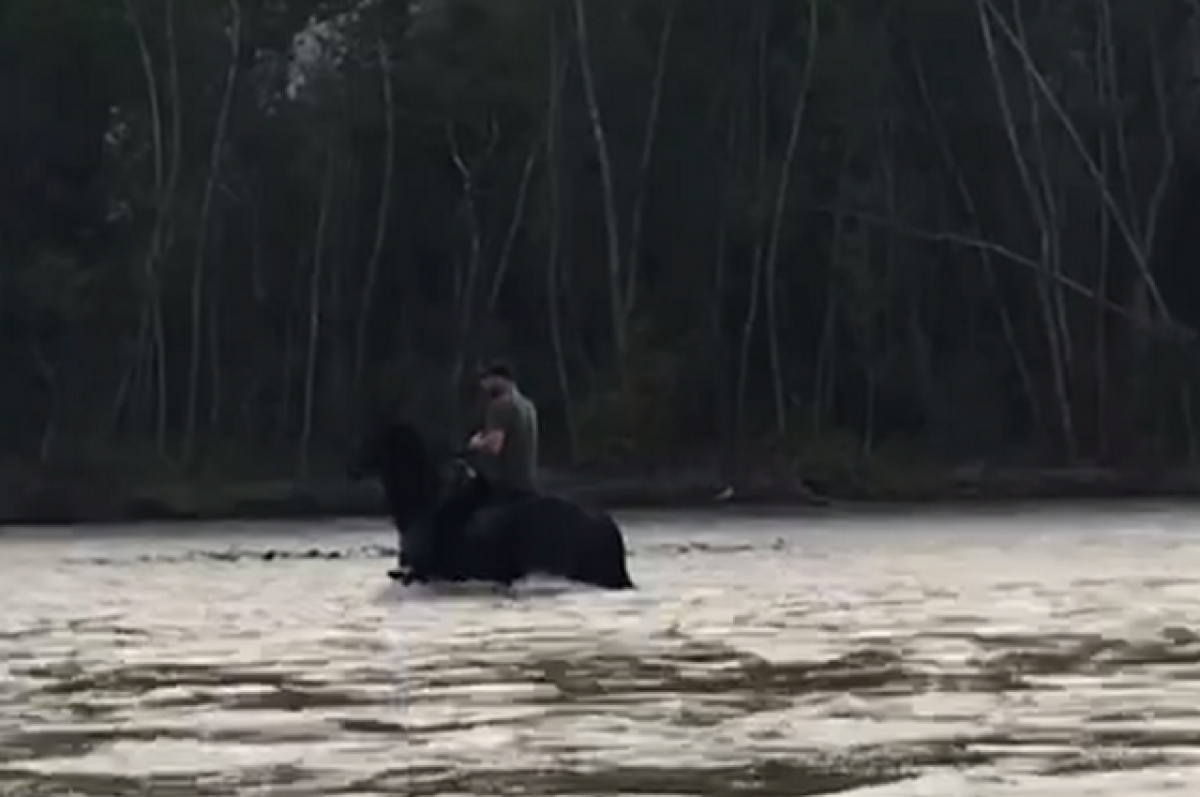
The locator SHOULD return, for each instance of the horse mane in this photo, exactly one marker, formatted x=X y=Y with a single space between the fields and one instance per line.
x=408 y=470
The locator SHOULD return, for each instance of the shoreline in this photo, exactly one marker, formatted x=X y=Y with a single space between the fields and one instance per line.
x=85 y=504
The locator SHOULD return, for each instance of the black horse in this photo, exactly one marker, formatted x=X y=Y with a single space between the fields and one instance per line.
x=445 y=536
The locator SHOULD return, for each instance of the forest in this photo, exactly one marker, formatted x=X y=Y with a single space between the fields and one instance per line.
x=782 y=235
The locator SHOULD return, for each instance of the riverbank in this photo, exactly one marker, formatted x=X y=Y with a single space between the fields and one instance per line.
x=88 y=502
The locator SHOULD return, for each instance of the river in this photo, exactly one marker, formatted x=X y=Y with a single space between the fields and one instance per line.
x=1017 y=652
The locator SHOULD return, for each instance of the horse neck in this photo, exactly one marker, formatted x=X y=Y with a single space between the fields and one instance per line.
x=409 y=500
x=460 y=501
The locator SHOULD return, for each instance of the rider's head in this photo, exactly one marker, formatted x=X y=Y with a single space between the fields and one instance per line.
x=497 y=378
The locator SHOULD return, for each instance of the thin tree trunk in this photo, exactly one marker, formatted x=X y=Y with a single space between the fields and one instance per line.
x=127 y=387
x=1189 y=424
x=751 y=319
x=216 y=383
x=719 y=351
x=868 y=437
x=1051 y=294
x=1106 y=91
x=756 y=268
x=173 y=175
x=632 y=270
x=49 y=376
x=338 y=347
x=718 y=344
x=198 y=270
x=1101 y=330
x=1040 y=215
x=1105 y=24
x=1137 y=246
x=558 y=70
x=514 y=228
x=1167 y=167
x=781 y=197
x=212 y=309
x=149 y=336
x=366 y=302
x=466 y=292
x=612 y=226
x=258 y=281
x=287 y=386
x=1053 y=241
x=314 y=315
x=824 y=370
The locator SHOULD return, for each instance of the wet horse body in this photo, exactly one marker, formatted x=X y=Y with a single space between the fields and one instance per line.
x=454 y=532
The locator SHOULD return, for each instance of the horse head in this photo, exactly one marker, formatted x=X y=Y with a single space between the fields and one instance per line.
x=400 y=459
x=429 y=504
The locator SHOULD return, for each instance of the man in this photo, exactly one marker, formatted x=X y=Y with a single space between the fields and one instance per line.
x=506 y=448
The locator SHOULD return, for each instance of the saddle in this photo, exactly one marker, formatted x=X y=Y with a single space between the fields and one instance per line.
x=495 y=503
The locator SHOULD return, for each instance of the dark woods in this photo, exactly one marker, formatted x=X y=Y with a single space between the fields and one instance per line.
x=934 y=230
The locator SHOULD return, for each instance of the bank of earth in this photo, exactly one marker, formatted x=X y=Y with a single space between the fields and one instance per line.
x=84 y=500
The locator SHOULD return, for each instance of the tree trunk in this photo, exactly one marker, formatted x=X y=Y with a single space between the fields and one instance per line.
x=1137 y=246
x=781 y=197
x=514 y=228
x=1038 y=210
x=632 y=261
x=952 y=166
x=366 y=303
x=49 y=376
x=558 y=70
x=206 y=203
x=756 y=269
x=171 y=190
x=617 y=308
x=150 y=344
x=314 y=314
x=283 y=429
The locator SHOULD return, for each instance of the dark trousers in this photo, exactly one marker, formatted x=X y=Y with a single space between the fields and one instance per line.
x=500 y=493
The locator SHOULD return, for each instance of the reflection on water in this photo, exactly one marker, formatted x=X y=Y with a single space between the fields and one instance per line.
x=986 y=655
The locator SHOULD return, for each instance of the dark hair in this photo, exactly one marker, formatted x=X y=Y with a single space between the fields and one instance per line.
x=500 y=368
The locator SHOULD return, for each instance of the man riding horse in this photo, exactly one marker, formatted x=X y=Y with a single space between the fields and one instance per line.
x=505 y=449
x=498 y=526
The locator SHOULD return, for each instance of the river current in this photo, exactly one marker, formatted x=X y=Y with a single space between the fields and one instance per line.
x=1016 y=652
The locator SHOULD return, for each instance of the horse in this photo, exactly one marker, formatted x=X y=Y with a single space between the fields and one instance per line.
x=448 y=532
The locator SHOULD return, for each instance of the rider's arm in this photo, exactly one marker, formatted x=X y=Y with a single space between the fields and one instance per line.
x=491 y=438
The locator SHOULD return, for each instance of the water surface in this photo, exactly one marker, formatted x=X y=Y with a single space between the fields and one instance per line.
x=1014 y=653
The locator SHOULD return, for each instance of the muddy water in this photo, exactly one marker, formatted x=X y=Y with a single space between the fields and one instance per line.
x=1019 y=653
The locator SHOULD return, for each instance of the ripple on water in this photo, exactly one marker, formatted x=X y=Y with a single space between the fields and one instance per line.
x=758 y=658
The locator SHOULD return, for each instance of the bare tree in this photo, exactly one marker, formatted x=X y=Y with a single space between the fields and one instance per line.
x=611 y=222
x=315 y=312
x=639 y=202
x=559 y=63
x=781 y=197
x=206 y=204
x=366 y=303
